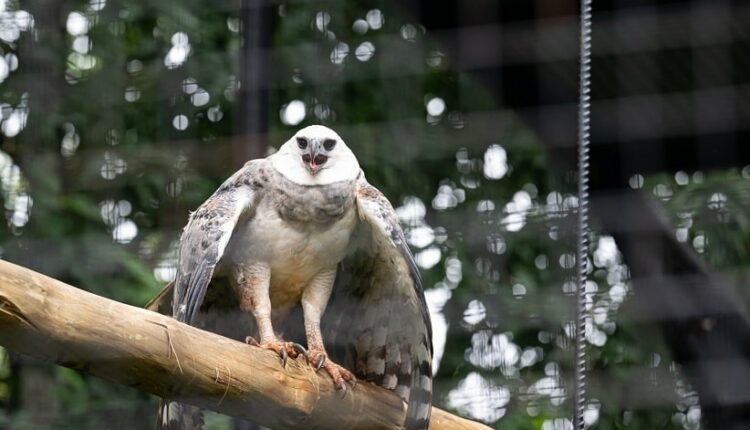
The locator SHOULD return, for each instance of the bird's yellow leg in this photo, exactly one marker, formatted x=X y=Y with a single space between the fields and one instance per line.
x=252 y=284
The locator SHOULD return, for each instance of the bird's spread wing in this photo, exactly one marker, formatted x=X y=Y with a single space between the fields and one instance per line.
x=377 y=322
x=207 y=234
x=202 y=246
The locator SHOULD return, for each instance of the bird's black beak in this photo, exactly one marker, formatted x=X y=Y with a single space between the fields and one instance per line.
x=314 y=159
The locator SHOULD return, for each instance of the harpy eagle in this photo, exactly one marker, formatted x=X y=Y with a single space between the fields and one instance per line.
x=299 y=247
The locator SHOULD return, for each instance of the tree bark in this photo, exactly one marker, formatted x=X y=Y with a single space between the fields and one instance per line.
x=52 y=321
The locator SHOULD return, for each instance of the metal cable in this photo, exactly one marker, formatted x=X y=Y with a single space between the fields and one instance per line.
x=584 y=121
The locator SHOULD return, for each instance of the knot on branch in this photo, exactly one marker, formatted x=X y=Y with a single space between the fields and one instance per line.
x=9 y=312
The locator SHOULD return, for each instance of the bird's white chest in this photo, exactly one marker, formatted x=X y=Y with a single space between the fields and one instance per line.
x=295 y=252
x=289 y=246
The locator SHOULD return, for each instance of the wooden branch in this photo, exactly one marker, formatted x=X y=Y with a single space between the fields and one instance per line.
x=52 y=321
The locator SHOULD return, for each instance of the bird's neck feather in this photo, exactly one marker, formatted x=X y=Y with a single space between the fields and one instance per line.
x=316 y=204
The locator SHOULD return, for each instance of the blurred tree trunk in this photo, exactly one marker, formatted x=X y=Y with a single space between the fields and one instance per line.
x=41 y=56
x=40 y=50
x=251 y=139
x=36 y=401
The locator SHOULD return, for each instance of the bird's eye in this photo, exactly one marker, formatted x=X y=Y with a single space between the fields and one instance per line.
x=328 y=144
x=302 y=142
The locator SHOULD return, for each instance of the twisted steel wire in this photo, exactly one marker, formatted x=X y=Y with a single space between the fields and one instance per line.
x=584 y=121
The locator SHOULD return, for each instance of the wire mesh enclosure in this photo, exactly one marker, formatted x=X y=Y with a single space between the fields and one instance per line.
x=121 y=117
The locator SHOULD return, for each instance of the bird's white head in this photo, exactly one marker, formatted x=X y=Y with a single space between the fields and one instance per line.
x=316 y=155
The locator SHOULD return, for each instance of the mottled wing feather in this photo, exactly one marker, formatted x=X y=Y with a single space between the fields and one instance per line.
x=197 y=296
x=206 y=236
x=377 y=323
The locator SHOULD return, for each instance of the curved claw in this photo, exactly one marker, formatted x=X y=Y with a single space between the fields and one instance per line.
x=301 y=350
x=321 y=362
x=284 y=357
x=342 y=388
x=353 y=382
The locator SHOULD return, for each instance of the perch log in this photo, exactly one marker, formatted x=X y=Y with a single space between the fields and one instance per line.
x=47 y=319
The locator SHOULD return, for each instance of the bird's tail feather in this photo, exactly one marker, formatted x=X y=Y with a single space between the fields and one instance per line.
x=419 y=406
x=179 y=416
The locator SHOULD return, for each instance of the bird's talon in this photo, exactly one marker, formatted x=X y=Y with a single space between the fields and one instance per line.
x=339 y=375
x=321 y=362
x=301 y=350
x=285 y=350
x=284 y=357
